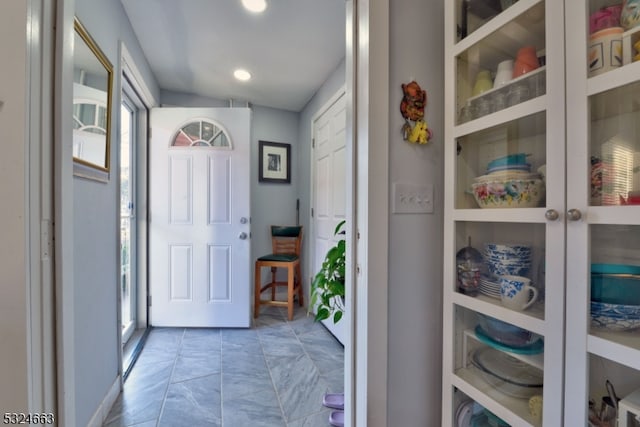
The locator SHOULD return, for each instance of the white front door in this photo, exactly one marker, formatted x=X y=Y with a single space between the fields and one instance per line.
x=199 y=217
x=329 y=187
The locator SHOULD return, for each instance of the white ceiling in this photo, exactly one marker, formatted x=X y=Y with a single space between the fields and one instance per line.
x=193 y=46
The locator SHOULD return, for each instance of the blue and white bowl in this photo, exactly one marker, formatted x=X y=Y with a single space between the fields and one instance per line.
x=508 y=251
x=615 y=317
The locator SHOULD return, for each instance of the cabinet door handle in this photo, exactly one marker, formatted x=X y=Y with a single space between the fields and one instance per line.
x=552 y=215
x=574 y=214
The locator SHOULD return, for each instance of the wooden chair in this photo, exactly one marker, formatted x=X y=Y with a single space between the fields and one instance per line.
x=285 y=242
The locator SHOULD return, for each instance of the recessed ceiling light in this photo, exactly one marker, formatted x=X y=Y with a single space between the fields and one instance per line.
x=255 y=6
x=241 y=74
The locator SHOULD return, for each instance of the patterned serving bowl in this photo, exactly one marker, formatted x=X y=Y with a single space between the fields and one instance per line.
x=515 y=193
x=615 y=317
x=503 y=250
x=506 y=333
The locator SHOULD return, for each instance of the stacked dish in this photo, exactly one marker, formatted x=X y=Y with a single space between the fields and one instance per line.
x=509 y=183
x=615 y=296
x=508 y=259
x=508 y=374
x=489 y=287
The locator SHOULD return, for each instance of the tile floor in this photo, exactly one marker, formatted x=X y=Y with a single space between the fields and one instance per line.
x=272 y=375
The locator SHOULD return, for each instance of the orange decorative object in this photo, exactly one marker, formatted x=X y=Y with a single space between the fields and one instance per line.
x=412 y=109
x=413 y=101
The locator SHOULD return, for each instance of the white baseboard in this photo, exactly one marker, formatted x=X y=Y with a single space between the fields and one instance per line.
x=100 y=416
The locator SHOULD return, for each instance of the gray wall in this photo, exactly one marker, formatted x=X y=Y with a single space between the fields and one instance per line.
x=334 y=83
x=96 y=232
x=14 y=314
x=416 y=241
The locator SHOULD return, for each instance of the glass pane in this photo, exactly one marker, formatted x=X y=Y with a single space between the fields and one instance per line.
x=201 y=134
x=192 y=130
x=623 y=379
x=615 y=278
x=501 y=70
x=614 y=36
x=472 y=14
x=504 y=166
x=615 y=146
x=126 y=206
x=86 y=113
x=485 y=252
x=208 y=130
x=220 y=141
x=503 y=360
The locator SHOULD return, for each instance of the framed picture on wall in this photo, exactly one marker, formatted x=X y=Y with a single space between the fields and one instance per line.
x=274 y=162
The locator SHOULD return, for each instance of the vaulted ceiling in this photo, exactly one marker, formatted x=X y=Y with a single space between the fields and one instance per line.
x=193 y=46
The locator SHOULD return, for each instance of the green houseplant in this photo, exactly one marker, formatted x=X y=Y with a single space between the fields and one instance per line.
x=327 y=288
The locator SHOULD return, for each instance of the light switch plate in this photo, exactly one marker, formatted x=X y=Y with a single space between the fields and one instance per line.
x=412 y=198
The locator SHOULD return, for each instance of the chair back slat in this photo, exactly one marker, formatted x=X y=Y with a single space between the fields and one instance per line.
x=286 y=239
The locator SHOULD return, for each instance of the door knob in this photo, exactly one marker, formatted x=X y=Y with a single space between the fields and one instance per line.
x=574 y=214
x=243 y=236
x=552 y=215
x=243 y=220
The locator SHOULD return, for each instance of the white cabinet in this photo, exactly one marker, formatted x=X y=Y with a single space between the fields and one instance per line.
x=603 y=172
x=494 y=194
x=580 y=228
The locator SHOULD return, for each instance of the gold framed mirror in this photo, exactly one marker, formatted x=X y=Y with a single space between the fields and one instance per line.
x=92 y=88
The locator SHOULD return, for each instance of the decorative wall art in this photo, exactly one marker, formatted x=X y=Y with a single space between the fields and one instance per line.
x=414 y=101
x=274 y=160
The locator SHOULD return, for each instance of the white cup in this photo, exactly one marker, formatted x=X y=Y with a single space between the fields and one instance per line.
x=516 y=292
x=504 y=74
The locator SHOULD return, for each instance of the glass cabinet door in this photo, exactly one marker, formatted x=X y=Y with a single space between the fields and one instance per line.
x=603 y=217
x=504 y=199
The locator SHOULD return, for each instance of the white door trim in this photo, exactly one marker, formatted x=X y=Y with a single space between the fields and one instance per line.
x=368 y=101
x=64 y=214
x=40 y=334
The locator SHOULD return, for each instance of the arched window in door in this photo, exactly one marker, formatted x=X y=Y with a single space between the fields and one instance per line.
x=201 y=133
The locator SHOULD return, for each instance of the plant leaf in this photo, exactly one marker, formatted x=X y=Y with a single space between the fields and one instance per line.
x=337 y=316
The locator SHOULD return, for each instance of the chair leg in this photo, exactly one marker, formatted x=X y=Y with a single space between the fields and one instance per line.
x=290 y=285
x=300 y=291
x=258 y=280
x=273 y=280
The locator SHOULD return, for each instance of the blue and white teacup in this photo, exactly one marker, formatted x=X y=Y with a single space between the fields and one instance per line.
x=516 y=292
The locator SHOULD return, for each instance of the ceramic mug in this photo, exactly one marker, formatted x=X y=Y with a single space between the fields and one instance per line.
x=516 y=292
x=605 y=50
x=504 y=74
x=483 y=82
x=526 y=61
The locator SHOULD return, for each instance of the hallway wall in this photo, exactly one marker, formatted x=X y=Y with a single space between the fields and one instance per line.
x=416 y=240
x=14 y=265
x=96 y=231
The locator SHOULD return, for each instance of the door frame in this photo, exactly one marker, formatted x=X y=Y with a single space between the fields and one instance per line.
x=130 y=79
x=367 y=65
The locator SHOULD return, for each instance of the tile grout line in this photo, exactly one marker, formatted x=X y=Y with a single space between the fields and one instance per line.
x=173 y=368
x=275 y=389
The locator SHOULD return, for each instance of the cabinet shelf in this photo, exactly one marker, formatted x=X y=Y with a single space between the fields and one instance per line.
x=510 y=409
x=613 y=79
x=527 y=108
x=620 y=347
x=517 y=215
x=516 y=25
x=622 y=215
x=532 y=319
